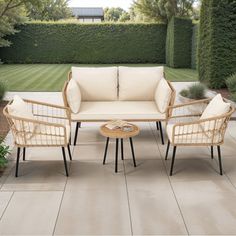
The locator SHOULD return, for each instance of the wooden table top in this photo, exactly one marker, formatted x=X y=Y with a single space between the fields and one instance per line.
x=119 y=133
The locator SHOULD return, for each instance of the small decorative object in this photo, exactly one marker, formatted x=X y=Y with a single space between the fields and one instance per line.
x=119 y=124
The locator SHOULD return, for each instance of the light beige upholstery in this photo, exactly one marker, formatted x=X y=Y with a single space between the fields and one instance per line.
x=119 y=93
x=162 y=95
x=138 y=83
x=73 y=96
x=96 y=84
x=126 y=110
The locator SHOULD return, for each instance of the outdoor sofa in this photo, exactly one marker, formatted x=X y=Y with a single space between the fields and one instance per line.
x=109 y=93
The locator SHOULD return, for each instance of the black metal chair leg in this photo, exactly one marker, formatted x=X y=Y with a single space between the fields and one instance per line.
x=76 y=132
x=117 y=146
x=68 y=148
x=17 y=161
x=132 y=150
x=212 y=152
x=220 y=162
x=79 y=124
x=157 y=125
x=122 y=149
x=105 y=153
x=161 y=133
x=65 y=163
x=23 y=153
x=173 y=161
x=167 y=149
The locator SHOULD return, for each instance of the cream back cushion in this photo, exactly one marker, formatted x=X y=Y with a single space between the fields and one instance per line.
x=96 y=84
x=19 y=108
x=216 y=107
x=73 y=96
x=138 y=84
x=163 y=95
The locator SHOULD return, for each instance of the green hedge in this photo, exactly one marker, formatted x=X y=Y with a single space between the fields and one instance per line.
x=217 y=42
x=194 y=47
x=178 y=42
x=87 y=43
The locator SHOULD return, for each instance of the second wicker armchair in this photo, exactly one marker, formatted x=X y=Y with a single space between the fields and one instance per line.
x=36 y=124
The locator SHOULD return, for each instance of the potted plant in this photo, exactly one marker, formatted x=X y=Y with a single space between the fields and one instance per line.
x=4 y=151
x=193 y=92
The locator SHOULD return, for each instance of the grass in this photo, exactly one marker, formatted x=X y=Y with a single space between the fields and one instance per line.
x=51 y=77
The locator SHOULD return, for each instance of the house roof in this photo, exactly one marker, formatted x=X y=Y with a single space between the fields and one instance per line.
x=87 y=11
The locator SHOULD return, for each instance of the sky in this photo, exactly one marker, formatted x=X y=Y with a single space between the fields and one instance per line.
x=125 y=4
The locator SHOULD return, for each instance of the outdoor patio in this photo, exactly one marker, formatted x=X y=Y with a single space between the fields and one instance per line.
x=144 y=200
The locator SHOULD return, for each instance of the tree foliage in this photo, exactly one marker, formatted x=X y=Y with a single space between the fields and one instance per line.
x=115 y=14
x=163 y=10
x=49 y=10
x=11 y=13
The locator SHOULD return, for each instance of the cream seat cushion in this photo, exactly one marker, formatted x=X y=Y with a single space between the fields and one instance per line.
x=96 y=84
x=190 y=134
x=138 y=84
x=73 y=96
x=126 y=110
x=163 y=95
x=43 y=136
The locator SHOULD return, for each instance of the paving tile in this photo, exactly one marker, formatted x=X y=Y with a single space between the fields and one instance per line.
x=94 y=212
x=37 y=175
x=154 y=210
x=31 y=213
x=208 y=206
x=4 y=199
x=93 y=175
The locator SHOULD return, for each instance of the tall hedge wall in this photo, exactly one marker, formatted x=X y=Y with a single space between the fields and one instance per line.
x=87 y=43
x=194 y=46
x=178 y=42
x=217 y=42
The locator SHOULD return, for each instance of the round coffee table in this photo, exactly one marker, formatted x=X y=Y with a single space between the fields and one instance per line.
x=119 y=134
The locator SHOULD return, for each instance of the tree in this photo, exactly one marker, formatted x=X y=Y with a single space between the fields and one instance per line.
x=163 y=10
x=125 y=16
x=49 y=10
x=113 y=13
x=12 y=12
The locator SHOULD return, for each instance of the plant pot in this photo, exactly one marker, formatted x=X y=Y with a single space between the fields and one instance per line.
x=194 y=109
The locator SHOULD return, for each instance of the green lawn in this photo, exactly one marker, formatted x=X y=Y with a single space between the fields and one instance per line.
x=50 y=77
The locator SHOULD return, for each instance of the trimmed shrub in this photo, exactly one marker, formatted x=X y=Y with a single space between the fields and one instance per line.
x=178 y=43
x=194 y=47
x=217 y=42
x=87 y=43
x=231 y=85
x=195 y=91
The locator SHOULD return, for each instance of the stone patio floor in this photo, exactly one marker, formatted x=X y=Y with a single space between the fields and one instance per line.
x=144 y=200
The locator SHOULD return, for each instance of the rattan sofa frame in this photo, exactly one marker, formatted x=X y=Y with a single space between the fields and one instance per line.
x=158 y=122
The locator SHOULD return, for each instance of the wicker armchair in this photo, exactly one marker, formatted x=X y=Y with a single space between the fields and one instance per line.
x=184 y=128
x=50 y=127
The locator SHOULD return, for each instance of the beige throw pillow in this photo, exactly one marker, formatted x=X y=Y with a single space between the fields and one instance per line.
x=73 y=96
x=19 y=108
x=162 y=95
